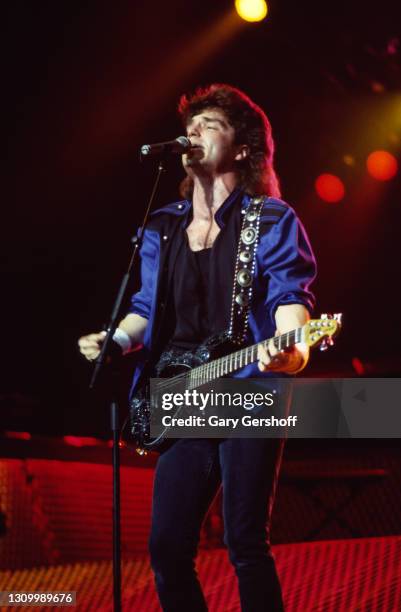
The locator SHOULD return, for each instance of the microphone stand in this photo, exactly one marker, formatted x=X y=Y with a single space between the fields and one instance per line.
x=114 y=410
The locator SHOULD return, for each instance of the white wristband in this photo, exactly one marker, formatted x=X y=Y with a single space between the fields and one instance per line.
x=123 y=339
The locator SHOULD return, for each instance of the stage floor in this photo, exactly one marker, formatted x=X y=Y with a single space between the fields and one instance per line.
x=334 y=576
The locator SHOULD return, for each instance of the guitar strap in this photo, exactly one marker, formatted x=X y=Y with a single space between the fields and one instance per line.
x=244 y=270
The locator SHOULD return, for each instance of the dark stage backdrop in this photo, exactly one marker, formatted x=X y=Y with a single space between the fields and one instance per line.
x=85 y=84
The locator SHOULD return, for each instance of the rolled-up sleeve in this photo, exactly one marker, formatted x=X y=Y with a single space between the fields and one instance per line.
x=287 y=261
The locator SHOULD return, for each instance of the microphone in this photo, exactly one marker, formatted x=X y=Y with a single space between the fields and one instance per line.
x=179 y=145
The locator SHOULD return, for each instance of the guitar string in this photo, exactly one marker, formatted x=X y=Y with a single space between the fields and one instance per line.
x=291 y=337
x=218 y=364
x=221 y=362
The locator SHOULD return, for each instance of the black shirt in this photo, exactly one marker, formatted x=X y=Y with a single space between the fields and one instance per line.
x=200 y=283
x=190 y=294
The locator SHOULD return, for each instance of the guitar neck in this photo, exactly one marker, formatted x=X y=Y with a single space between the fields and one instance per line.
x=234 y=361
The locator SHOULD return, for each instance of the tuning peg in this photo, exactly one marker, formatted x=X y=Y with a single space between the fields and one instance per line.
x=323 y=345
x=338 y=317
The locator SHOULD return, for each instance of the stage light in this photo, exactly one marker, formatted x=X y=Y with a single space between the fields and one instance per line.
x=18 y=435
x=358 y=366
x=251 y=10
x=329 y=188
x=382 y=165
x=349 y=160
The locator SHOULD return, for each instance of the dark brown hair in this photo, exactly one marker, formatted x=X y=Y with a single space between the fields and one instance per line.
x=256 y=175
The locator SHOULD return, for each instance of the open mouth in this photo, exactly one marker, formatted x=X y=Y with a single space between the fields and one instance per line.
x=195 y=145
x=195 y=149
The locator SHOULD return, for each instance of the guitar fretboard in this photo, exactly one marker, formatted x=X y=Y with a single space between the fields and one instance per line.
x=223 y=366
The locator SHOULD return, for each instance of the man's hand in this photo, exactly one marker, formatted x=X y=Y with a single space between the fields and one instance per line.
x=91 y=345
x=292 y=359
x=133 y=325
x=289 y=360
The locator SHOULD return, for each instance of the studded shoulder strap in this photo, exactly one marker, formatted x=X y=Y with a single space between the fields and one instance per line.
x=244 y=270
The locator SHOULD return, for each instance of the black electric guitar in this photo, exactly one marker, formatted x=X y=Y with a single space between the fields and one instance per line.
x=211 y=361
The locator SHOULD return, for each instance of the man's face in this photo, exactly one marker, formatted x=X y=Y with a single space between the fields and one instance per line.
x=212 y=137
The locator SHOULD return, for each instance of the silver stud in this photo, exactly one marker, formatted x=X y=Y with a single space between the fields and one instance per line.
x=244 y=278
x=248 y=235
x=241 y=299
x=165 y=238
x=252 y=215
x=180 y=206
x=245 y=256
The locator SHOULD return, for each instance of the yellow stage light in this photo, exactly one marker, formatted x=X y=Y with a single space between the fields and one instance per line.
x=251 y=10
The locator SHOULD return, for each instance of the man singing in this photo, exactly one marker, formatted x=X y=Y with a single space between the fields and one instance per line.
x=188 y=260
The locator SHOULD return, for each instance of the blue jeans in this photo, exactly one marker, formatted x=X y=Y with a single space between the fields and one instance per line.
x=188 y=476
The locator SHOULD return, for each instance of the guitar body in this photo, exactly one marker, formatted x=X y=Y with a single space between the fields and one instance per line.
x=171 y=363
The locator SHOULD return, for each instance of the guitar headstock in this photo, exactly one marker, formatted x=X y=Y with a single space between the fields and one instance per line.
x=322 y=331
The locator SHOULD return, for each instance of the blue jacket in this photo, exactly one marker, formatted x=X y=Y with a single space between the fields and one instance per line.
x=285 y=268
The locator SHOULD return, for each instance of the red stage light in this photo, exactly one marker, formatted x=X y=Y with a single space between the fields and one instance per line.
x=81 y=441
x=382 y=165
x=358 y=366
x=18 y=435
x=329 y=188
